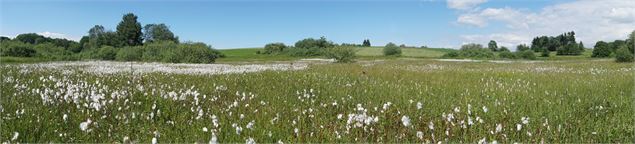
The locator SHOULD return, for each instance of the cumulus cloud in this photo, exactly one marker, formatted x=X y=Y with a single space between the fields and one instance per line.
x=464 y=4
x=592 y=20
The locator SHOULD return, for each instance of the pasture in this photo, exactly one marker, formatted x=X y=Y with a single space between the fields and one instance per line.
x=394 y=100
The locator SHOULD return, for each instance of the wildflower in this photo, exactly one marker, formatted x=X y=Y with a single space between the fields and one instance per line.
x=15 y=136
x=205 y=129
x=214 y=139
x=482 y=141
x=339 y=116
x=154 y=140
x=386 y=105
x=405 y=120
x=431 y=125
x=499 y=128
x=519 y=127
x=84 y=125
x=250 y=141
x=484 y=109
x=524 y=120
x=419 y=134
x=64 y=117
x=419 y=105
x=250 y=125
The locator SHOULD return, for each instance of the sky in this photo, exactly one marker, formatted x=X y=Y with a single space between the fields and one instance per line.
x=254 y=23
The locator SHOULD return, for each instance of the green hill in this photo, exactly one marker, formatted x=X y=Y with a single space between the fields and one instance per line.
x=250 y=54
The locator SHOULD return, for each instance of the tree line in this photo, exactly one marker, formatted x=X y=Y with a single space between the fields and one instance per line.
x=128 y=43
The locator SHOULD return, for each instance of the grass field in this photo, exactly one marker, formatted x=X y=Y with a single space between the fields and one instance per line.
x=403 y=101
x=250 y=55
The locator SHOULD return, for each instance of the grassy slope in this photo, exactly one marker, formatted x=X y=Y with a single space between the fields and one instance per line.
x=249 y=54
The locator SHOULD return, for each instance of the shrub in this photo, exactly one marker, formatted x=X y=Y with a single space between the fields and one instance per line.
x=506 y=55
x=53 y=52
x=106 y=53
x=545 y=53
x=16 y=49
x=601 y=49
x=273 y=48
x=194 y=53
x=314 y=43
x=130 y=54
x=528 y=54
x=452 y=54
x=341 y=54
x=392 y=49
x=623 y=54
x=305 y=51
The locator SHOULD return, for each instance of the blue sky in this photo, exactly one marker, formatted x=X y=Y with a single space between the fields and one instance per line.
x=250 y=23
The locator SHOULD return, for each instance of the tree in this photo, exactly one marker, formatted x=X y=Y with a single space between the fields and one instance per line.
x=4 y=38
x=31 y=38
x=503 y=48
x=526 y=55
x=129 y=30
x=544 y=53
x=366 y=43
x=314 y=43
x=492 y=45
x=158 y=32
x=522 y=47
x=273 y=48
x=341 y=54
x=623 y=54
x=392 y=49
x=601 y=49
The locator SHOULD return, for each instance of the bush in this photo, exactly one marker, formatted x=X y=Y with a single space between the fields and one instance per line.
x=452 y=54
x=601 y=49
x=392 y=49
x=528 y=54
x=506 y=55
x=305 y=51
x=314 y=43
x=106 y=53
x=193 y=53
x=623 y=54
x=130 y=54
x=341 y=54
x=52 y=52
x=16 y=49
x=273 y=48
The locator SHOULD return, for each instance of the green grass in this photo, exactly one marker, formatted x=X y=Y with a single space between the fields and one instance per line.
x=405 y=52
x=6 y=59
x=250 y=55
x=577 y=101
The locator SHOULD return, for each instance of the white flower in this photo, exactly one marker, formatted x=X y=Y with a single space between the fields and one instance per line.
x=482 y=141
x=387 y=105
x=250 y=141
x=499 y=128
x=250 y=125
x=519 y=127
x=154 y=140
x=214 y=139
x=525 y=120
x=205 y=129
x=64 y=117
x=339 y=116
x=84 y=125
x=419 y=105
x=15 y=136
x=419 y=134
x=431 y=125
x=484 y=109
x=405 y=120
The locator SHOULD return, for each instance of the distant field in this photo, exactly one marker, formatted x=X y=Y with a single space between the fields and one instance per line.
x=405 y=52
x=249 y=54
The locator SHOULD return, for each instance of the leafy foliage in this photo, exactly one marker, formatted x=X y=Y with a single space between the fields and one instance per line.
x=16 y=49
x=507 y=55
x=623 y=55
x=129 y=30
x=601 y=49
x=392 y=49
x=274 y=48
x=341 y=54
x=492 y=45
x=158 y=32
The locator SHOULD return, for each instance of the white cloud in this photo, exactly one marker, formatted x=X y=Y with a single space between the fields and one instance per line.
x=592 y=20
x=57 y=35
x=464 y=4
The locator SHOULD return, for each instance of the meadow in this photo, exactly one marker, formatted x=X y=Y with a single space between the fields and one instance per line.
x=391 y=100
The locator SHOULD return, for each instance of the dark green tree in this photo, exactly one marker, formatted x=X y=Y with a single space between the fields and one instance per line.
x=158 y=32
x=129 y=30
x=492 y=45
x=503 y=48
x=623 y=54
x=601 y=49
x=522 y=47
